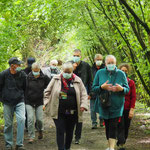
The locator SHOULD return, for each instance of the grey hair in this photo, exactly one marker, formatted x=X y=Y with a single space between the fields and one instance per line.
x=54 y=61
x=110 y=56
x=77 y=50
x=98 y=55
x=35 y=65
x=67 y=65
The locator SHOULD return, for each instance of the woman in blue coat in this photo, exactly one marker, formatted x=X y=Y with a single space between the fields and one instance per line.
x=113 y=80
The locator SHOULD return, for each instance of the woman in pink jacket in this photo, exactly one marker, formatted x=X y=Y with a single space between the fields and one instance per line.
x=65 y=99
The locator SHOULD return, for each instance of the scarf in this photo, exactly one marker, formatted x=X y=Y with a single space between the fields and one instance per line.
x=64 y=81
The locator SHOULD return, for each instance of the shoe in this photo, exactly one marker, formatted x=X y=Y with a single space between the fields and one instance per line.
x=94 y=126
x=77 y=141
x=121 y=148
x=107 y=148
x=20 y=147
x=40 y=136
x=30 y=141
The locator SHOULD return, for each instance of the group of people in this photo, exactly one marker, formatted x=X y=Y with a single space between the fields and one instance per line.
x=64 y=96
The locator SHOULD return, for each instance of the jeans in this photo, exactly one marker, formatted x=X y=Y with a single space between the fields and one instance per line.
x=64 y=129
x=9 y=110
x=93 y=113
x=31 y=112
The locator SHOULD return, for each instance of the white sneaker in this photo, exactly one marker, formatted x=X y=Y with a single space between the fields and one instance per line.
x=107 y=148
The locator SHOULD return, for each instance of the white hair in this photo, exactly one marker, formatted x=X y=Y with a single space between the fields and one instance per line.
x=35 y=65
x=110 y=56
x=67 y=65
x=54 y=61
x=98 y=55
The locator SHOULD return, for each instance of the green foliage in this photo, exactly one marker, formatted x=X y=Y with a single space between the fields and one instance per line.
x=1 y=116
x=48 y=29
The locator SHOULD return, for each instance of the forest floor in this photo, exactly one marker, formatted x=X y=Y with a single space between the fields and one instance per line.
x=93 y=139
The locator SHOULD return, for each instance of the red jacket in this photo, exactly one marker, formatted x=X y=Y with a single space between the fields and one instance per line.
x=130 y=98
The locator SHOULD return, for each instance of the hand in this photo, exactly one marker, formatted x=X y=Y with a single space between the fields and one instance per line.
x=44 y=107
x=75 y=66
x=117 y=88
x=131 y=113
x=89 y=97
x=106 y=86
x=82 y=109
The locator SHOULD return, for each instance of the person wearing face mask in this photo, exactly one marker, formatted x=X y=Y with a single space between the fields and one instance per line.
x=27 y=70
x=53 y=68
x=98 y=64
x=12 y=88
x=113 y=81
x=83 y=70
x=65 y=98
x=128 y=112
x=30 y=61
x=35 y=85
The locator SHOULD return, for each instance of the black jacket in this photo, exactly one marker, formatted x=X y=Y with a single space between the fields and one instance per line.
x=27 y=70
x=94 y=70
x=35 y=88
x=12 y=87
x=85 y=73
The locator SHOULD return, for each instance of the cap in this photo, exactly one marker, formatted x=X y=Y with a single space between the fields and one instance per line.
x=30 y=61
x=14 y=60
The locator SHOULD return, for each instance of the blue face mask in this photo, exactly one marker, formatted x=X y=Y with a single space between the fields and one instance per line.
x=53 y=67
x=67 y=75
x=76 y=59
x=36 y=73
x=111 y=67
x=18 y=69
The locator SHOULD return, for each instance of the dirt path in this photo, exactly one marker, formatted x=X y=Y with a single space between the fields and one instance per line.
x=91 y=139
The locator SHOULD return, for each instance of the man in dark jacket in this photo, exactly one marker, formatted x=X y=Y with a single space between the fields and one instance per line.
x=98 y=64
x=83 y=70
x=27 y=70
x=35 y=85
x=30 y=61
x=12 y=87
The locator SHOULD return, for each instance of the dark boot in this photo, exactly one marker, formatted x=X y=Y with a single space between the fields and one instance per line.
x=20 y=147
x=40 y=136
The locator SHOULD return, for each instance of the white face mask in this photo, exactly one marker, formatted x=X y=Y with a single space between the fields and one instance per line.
x=98 y=62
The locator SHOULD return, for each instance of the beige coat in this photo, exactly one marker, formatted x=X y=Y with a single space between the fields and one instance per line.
x=51 y=96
